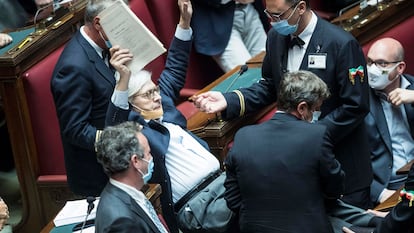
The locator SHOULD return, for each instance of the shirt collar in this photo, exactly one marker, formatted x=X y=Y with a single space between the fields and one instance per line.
x=91 y=42
x=307 y=33
x=137 y=195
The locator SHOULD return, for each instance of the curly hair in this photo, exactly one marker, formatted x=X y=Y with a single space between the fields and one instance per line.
x=116 y=145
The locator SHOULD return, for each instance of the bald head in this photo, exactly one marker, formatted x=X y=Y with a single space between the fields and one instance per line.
x=386 y=49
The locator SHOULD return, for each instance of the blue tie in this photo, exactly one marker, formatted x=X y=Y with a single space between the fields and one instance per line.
x=154 y=217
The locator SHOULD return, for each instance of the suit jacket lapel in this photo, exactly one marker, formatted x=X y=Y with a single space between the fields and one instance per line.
x=409 y=108
x=100 y=66
x=380 y=121
x=315 y=44
x=134 y=206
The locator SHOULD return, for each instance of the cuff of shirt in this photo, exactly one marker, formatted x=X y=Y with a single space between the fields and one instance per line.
x=183 y=34
x=120 y=99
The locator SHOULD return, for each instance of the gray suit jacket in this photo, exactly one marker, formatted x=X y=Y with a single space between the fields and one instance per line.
x=119 y=212
x=380 y=142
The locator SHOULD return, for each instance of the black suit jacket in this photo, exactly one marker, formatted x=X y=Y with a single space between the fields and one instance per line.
x=343 y=113
x=82 y=85
x=119 y=212
x=278 y=174
x=380 y=141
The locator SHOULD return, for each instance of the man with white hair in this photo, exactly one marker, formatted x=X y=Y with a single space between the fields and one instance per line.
x=183 y=164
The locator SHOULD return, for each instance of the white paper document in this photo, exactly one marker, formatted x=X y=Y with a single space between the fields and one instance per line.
x=125 y=29
x=74 y=212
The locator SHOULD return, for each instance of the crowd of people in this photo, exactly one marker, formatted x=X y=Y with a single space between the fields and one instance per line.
x=343 y=125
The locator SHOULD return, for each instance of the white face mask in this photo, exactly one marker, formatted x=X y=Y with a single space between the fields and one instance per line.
x=378 y=77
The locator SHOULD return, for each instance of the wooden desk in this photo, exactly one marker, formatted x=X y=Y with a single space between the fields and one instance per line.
x=216 y=132
x=371 y=22
x=405 y=169
x=152 y=191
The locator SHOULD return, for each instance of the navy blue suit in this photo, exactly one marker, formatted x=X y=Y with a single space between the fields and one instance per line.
x=343 y=113
x=380 y=142
x=171 y=82
x=278 y=174
x=82 y=85
x=212 y=23
x=119 y=212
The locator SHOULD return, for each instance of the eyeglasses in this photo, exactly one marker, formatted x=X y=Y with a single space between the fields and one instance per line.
x=381 y=63
x=277 y=17
x=150 y=94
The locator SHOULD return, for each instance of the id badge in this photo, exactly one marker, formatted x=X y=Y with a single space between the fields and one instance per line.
x=317 y=61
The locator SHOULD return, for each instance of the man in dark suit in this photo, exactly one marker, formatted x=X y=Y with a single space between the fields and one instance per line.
x=125 y=156
x=298 y=37
x=82 y=85
x=280 y=185
x=231 y=31
x=390 y=122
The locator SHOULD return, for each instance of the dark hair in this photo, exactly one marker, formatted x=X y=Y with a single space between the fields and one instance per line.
x=116 y=145
x=299 y=86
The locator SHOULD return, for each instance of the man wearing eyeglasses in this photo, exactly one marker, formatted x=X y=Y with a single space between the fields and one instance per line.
x=300 y=40
x=390 y=121
x=183 y=164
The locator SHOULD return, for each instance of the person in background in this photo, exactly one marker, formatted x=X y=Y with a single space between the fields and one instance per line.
x=4 y=213
x=390 y=122
x=231 y=31
x=5 y=39
x=125 y=156
x=294 y=179
x=82 y=85
x=299 y=36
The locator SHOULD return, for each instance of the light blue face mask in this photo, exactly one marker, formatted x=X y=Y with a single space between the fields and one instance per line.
x=107 y=42
x=150 y=169
x=283 y=27
x=315 y=116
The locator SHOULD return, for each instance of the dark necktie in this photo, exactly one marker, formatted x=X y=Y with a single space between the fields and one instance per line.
x=106 y=54
x=106 y=57
x=296 y=41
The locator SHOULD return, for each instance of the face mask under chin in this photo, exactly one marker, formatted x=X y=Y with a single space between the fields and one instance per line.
x=149 y=115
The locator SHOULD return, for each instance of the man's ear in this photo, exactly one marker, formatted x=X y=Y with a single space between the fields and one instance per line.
x=401 y=67
x=97 y=23
x=301 y=108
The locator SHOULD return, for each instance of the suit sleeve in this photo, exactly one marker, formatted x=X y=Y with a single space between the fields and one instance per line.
x=257 y=96
x=353 y=95
x=172 y=78
x=232 y=193
x=127 y=225
x=330 y=171
x=74 y=105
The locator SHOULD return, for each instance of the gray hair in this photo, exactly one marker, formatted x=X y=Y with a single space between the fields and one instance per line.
x=95 y=7
x=299 y=86
x=116 y=145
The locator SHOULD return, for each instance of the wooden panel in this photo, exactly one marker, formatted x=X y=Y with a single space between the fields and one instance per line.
x=371 y=22
x=12 y=65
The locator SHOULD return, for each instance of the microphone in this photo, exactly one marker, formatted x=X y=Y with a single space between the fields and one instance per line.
x=243 y=69
x=91 y=205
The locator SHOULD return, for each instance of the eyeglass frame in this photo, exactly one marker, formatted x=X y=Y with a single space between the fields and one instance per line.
x=380 y=63
x=150 y=94
x=276 y=17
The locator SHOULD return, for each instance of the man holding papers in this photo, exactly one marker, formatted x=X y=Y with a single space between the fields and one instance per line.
x=182 y=162
x=82 y=84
